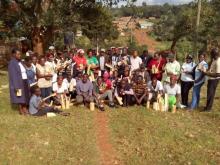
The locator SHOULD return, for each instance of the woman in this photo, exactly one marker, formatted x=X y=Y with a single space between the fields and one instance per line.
x=186 y=79
x=44 y=77
x=31 y=74
x=199 y=81
x=18 y=83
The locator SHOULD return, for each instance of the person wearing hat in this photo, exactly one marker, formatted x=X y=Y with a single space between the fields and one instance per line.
x=186 y=78
x=80 y=61
x=172 y=67
x=214 y=76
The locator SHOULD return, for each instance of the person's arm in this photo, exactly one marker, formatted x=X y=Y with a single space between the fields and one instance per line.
x=78 y=91
x=129 y=92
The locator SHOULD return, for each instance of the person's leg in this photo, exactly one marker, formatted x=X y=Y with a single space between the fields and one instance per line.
x=198 y=93
x=79 y=99
x=212 y=85
x=189 y=85
x=183 y=93
x=194 y=97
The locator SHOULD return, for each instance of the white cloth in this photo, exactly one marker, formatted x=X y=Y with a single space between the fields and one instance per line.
x=102 y=62
x=159 y=86
x=52 y=66
x=187 y=67
x=60 y=89
x=72 y=82
x=215 y=68
x=23 y=71
x=135 y=63
x=172 y=91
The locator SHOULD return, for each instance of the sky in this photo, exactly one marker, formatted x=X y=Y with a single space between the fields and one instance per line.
x=159 y=2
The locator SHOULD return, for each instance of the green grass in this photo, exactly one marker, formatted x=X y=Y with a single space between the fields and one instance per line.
x=139 y=136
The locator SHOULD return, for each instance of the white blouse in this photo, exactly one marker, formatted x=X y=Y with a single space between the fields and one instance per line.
x=23 y=71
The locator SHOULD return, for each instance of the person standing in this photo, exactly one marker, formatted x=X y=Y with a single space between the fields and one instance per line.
x=186 y=79
x=44 y=77
x=214 y=75
x=199 y=80
x=18 y=83
x=135 y=60
x=146 y=57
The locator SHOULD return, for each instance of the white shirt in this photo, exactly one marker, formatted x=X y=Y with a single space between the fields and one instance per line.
x=187 y=67
x=72 y=82
x=159 y=86
x=172 y=91
x=23 y=71
x=61 y=89
x=102 y=62
x=135 y=63
x=52 y=65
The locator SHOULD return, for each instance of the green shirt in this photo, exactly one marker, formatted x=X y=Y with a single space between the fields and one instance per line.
x=92 y=60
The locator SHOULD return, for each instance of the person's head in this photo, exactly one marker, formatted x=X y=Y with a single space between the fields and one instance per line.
x=102 y=52
x=85 y=78
x=145 y=52
x=59 y=80
x=106 y=76
x=139 y=79
x=173 y=80
x=189 y=58
x=16 y=53
x=28 y=61
x=214 y=53
x=156 y=55
x=201 y=57
x=81 y=52
x=42 y=60
x=50 y=57
x=142 y=68
x=89 y=53
x=34 y=59
x=154 y=81
x=126 y=73
x=99 y=80
x=171 y=57
x=51 y=49
x=123 y=83
x=35 y=90
x=135 y=53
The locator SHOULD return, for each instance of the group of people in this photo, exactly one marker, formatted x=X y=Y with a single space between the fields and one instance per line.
x=116 y=77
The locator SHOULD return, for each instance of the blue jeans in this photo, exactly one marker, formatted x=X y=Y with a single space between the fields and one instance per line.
x=196 y=96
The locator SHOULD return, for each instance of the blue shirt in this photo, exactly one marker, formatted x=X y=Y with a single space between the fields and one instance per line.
x=34 y=103
x=31 y=75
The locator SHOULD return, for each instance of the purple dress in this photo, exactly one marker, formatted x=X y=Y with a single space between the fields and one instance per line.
x=16 y=82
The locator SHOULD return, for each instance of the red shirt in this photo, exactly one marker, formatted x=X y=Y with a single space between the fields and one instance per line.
x=79 y=60
x=159 y=64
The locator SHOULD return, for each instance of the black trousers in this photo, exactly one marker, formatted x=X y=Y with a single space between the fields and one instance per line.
x=185 y=88
x=211 y=89
x=45 y=110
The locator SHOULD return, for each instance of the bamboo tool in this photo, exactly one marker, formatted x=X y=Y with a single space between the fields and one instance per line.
x=174 y=109
x=92 y=106
x=166 y=106
x=51 y=103
x=119 y=99
x=99 y=73
x=148 y=104
x=51 y=114
x=67 y=102
x=52 y=95
x=63 y=106
x=156 y=106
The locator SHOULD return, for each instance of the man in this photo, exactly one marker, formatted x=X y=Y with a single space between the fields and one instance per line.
x=214 y=76
x=172 y=68
x=140 y=91
x=84 y=89
x=135 y=61
x=155 y=89
x=100 y=91
x=103 y=59
x=146 y=57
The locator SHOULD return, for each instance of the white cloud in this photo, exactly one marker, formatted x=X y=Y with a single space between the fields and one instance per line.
x=157 y=2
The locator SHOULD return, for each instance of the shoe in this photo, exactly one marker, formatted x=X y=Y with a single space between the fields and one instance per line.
x=101 y=108
x=112 y=105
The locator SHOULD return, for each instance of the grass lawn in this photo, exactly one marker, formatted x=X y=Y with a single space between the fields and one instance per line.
x=138 y=136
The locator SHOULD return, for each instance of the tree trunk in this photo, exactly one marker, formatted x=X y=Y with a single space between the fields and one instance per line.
x=174 y=44
x=37 y=41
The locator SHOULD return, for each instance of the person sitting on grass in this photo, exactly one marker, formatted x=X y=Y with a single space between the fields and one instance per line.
x=100 y=91
x=39 y=107
x=140 y=91
x=84 y=90
x=124 y=91
x=155 y=89
x=61 y=89
x=173 y=91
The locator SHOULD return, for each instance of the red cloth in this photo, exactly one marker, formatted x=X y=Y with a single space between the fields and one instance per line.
x=108 y=84
x=80 y=60
x=159 y=64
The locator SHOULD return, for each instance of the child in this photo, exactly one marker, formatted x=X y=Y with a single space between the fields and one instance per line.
x=38 y=107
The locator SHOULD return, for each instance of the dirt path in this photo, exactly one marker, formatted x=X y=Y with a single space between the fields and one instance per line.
x=108 y=156
x=143 y=38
